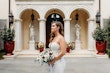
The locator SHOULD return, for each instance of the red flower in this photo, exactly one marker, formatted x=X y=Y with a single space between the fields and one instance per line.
x=50 y=53
x=43 y=57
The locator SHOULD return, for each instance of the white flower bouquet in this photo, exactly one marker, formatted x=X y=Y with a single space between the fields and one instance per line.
x=45 y=56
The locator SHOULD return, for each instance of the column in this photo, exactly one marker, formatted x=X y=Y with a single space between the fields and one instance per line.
x=42 y=30
x=91 y=27
x=18 y=35
x=67 y=29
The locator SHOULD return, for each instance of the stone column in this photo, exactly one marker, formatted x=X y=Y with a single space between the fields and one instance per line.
x=91 y=27
x=18 y=35
x=67 y=29
x=42 y=30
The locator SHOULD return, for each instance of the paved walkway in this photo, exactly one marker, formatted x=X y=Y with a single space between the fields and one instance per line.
x=73 y=65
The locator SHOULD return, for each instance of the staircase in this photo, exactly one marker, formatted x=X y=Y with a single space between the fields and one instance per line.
x=73 y=53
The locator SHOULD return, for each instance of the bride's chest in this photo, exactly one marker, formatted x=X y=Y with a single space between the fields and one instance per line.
x=54 y=46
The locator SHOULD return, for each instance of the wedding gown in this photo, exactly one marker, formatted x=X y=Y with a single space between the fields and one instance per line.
x=59 y=65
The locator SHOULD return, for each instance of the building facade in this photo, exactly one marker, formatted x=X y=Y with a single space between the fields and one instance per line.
x=65 y=11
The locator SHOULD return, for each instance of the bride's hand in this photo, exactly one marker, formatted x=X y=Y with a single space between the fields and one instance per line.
x=52 y=62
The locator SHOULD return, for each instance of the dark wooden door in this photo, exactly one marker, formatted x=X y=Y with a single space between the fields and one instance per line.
x=48 y=26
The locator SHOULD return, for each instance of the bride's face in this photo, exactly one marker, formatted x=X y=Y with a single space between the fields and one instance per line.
x=54 y=28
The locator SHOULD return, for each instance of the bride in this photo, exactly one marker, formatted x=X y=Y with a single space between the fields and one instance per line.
x=58 y=46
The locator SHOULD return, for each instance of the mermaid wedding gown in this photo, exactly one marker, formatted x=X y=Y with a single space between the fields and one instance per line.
x=59 y=65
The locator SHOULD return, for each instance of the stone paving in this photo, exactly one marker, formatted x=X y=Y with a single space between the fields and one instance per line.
x=73 y=65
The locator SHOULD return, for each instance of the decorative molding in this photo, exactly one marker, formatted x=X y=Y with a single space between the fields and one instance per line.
x=55 y=2
x=91 y=19
x=18 y=20
x=42 y=19
x=67 y=19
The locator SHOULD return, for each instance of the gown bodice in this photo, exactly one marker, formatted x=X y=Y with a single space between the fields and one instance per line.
x=55 y=47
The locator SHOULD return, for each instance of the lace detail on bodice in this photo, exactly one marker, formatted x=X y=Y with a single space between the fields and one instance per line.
x=55 y=47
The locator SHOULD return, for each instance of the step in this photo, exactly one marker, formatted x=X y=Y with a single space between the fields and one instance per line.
x=73 y=53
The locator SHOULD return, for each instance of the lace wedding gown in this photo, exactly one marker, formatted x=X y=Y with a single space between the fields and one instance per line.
x=59 y=65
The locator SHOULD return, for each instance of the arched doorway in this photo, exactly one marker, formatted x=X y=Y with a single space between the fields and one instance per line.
x=83 y=15
x=52 y=17
x=26 y=21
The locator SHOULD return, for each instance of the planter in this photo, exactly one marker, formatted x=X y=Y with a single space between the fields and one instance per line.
x=101 y=47
x=41 y=49
x=9 y=47
x=68 y=50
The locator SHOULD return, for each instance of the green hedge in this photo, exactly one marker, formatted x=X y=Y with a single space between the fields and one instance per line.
x=2 y=52
x=108 y=40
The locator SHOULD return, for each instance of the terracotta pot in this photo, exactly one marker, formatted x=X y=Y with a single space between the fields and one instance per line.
x=9 y=47
x=41 y=49
x=101 y=47
x=68 y=50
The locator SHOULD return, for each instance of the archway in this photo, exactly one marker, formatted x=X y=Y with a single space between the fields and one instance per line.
x=26 y=21
x=83 y=15
x=54 y=16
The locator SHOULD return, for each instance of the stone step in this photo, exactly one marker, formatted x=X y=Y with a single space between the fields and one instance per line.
x=80 y=53
x=73 y=53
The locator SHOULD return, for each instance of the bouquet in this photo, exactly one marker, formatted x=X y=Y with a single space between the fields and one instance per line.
x=45 y=56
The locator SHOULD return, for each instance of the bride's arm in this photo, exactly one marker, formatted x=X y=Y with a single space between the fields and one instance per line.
x=62 y=52
x=62 y=48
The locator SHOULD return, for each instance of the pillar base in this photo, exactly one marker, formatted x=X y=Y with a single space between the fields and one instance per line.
x=77 y=45
x=32 y=45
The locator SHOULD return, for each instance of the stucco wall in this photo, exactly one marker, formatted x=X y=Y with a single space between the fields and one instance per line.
x=3 y=9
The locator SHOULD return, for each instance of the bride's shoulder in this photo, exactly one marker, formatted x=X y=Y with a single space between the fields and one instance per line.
x=61 y=37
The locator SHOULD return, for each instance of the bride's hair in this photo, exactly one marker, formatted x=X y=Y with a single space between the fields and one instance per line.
x=60 y=25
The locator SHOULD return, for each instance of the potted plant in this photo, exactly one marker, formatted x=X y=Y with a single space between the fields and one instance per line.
x=41 y=46
x=100 y=36
x=1 y=54
x=8 y=37
x=70 y=46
